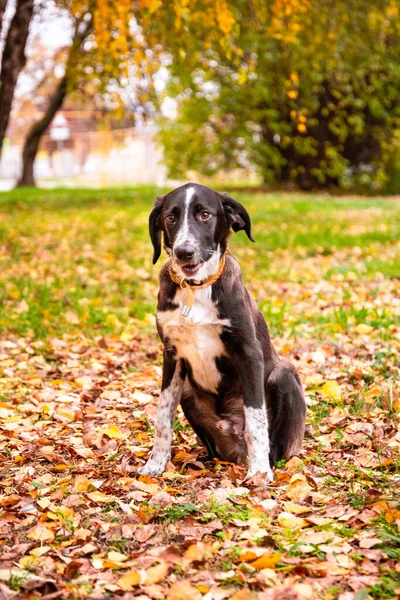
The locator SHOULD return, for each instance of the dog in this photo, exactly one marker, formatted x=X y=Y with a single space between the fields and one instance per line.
x=241 y=399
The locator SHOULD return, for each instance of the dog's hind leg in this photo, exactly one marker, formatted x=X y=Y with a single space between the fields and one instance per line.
x=221 y=434
x=287 y=411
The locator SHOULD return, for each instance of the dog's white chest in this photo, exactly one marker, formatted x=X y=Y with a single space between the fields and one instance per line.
x=196 y=338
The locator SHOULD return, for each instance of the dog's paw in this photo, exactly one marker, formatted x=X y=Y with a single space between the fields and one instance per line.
x=259 y=477
x=152 y=467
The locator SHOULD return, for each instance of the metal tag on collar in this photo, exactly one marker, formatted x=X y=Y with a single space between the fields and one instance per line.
x=189 y=301
x=186 y=311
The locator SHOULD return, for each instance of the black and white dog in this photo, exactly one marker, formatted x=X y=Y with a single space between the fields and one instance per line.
x=219 y=362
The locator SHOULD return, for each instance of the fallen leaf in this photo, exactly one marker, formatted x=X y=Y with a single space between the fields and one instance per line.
x=142 y=398
x=291 y=521
x=268 y=561
x=113 y=432
x=156 y=574
x=100 y=497
x=41 y=534
x=331 y=389
x=129 y=581
x=364 y=329
x=369 y=542
x=183 y=590
x=298 y=488
x=195 y=552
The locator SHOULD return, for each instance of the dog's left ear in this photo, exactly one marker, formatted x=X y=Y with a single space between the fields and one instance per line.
x=155 y=228
x=237 y=215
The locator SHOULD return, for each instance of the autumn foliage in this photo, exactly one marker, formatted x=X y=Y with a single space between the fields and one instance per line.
x=304 y=92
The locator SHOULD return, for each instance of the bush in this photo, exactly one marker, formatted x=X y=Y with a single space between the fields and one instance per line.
x=305 y=91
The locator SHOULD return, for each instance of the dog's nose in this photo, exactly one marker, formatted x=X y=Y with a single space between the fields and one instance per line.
x=184 y=252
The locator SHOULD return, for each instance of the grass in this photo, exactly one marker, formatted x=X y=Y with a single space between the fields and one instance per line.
x=83 y=257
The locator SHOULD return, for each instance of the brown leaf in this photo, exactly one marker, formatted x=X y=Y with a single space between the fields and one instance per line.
x=144 y=533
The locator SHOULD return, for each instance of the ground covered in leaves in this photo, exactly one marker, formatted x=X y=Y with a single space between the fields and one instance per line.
x=80 y=368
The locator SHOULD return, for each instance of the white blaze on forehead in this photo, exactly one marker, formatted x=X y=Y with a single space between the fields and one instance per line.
x=183 y=234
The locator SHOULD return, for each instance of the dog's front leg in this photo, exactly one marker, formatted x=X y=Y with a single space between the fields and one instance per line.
x=250 y=364
x=171 y=393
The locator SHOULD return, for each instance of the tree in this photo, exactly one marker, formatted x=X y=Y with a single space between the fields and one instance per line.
x=305 y=91
x=35 y=133
x=13 y=58
x=103 y=52
x=3 y=4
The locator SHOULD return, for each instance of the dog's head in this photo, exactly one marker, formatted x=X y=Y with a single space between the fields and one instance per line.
x=196 y=222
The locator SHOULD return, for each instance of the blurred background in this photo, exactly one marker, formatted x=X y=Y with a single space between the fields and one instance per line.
x=294 y=93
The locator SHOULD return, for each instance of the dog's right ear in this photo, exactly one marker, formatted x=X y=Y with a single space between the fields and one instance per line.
x=155 y=228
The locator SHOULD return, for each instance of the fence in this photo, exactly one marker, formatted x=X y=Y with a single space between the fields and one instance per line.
x=99 y=158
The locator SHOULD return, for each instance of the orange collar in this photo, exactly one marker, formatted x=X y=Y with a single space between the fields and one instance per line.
x=183 y=284
x=181 y=281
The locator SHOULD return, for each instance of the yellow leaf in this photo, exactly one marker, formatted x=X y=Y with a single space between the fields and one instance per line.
x=293 y=94
x=331 y=389
x=63 y=414
x=290 y=521
x=149 y=488
x=242 y=77
x=301 y=128
x=113 y=432
x=150 y=5
x=392 y=515
x=44 y=503
x=183 y=456
x=247 y=556
x=142 y=398
x=243 y=594
x=295 y=509
x=129 y=581
x=203 y=589
x=224 y=16
x=41 y=534
x=100 y=497
x=374 y=392
x=81 y=483
x=116 y=556
x=268 y=561
x=195 y=552
x=298 y=488
x=112 y=320
x=364 y=329
x=156 y=574
x=40 y=551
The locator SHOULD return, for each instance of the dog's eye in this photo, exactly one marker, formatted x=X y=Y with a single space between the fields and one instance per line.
x=171 y=219
x=204 y=215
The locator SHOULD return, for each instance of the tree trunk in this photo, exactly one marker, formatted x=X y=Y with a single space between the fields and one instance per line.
x=13 y=59
x=3 y=4
x=37 y=130
x=35 y=133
